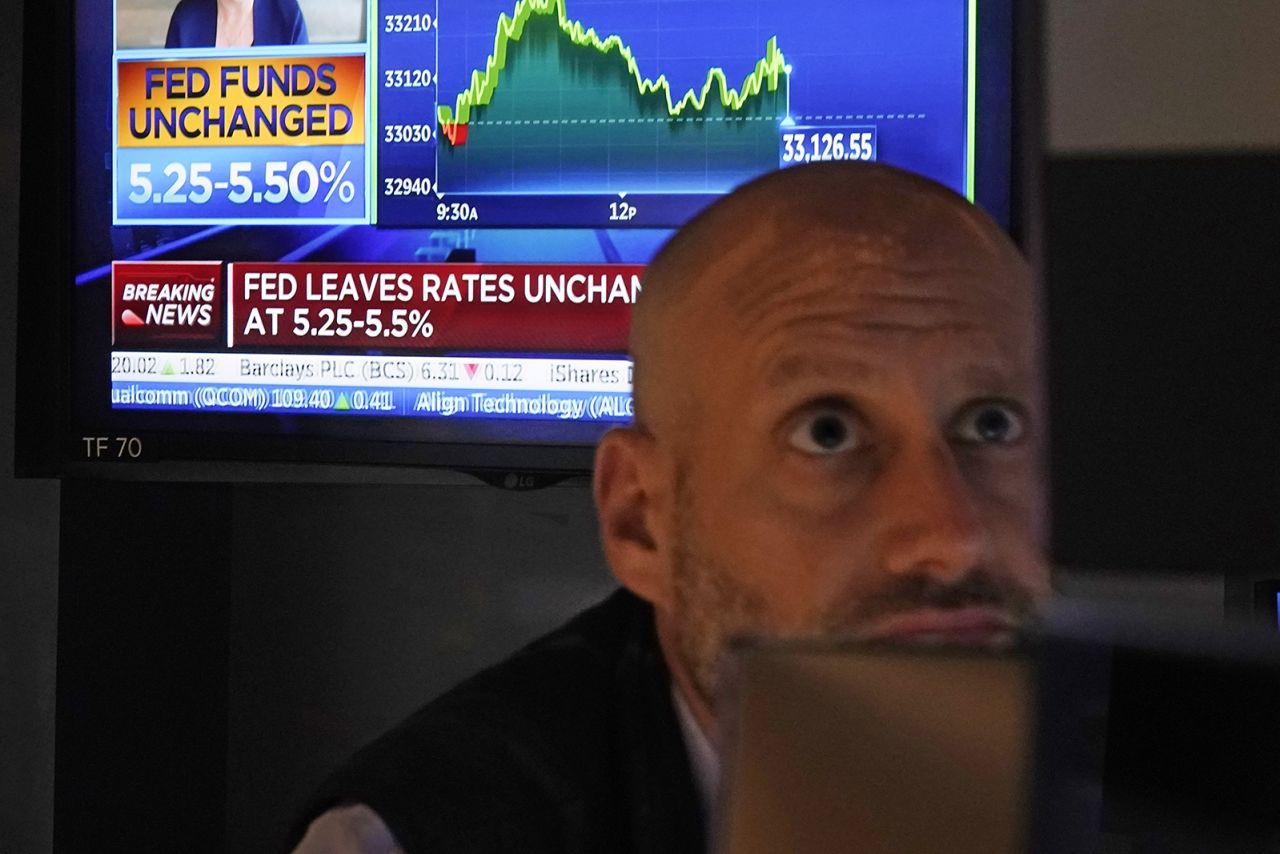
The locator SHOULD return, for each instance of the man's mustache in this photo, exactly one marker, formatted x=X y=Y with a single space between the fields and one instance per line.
x=977 y=588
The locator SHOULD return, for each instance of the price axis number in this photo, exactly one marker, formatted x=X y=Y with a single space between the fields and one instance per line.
x=407 y=78
x=407 y=134
x=410 y=187
x=414 y=23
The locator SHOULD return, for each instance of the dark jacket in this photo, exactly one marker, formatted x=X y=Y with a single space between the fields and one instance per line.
x=194 y=23
x=572 y=745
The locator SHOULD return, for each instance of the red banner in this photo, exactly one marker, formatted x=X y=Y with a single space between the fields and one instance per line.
x=157 y=303
x=509 y=308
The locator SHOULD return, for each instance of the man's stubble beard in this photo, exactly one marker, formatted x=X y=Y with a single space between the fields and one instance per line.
x=712 y=608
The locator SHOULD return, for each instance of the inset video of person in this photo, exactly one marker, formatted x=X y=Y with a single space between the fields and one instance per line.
x=236 y=23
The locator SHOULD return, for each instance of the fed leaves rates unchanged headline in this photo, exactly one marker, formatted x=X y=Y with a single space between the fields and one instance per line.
x=477 y=286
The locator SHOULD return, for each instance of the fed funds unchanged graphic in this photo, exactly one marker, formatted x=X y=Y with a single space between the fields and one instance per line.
x=597 y=113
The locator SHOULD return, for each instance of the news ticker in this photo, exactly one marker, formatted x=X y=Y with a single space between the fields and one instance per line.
x=579 y=389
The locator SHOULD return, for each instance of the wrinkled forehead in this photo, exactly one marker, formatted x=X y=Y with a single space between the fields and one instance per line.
x=835 y=267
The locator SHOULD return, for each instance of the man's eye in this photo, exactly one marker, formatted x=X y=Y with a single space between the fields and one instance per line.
x=824 y=432
x=991 y=423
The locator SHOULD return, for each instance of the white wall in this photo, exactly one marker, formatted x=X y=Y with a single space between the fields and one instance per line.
x=1160 y=75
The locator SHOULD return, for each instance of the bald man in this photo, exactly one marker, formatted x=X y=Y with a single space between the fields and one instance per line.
x=839 y=429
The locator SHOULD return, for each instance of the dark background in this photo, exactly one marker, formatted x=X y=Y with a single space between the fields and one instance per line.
x=28 y=536
x=211 y=669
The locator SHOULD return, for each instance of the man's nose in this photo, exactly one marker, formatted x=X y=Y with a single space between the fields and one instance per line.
x=928 y=519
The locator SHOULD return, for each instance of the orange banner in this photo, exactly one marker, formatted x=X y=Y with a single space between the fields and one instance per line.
x=242 y=102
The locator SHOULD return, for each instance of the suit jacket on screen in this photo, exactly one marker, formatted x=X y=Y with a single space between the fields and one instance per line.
x=194 y=23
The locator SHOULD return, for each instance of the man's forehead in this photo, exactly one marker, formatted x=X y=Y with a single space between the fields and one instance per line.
x=862 y=274
x=977 y=370
x=777 y=240
x=840 y=215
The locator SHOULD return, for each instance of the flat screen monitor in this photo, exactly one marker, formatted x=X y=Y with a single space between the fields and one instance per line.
x=1093 y=737
x=411 y=231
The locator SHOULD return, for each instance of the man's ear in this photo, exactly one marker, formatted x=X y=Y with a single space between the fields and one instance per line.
x=632 y=489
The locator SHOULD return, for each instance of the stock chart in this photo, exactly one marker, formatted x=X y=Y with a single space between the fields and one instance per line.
x=598 y=113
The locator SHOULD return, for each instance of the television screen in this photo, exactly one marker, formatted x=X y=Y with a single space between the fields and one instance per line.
x=413 y=230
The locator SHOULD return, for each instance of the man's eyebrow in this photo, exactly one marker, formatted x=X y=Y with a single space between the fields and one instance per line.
x=982 y=378
x=990 y=378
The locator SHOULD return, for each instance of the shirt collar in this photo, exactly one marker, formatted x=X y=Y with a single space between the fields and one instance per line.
x=703 y=758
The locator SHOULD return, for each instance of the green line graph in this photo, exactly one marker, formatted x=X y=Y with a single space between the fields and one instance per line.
x=766 y=76
x=560 y=108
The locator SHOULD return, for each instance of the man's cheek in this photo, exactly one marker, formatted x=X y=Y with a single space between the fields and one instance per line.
x=1013 y=499
x=825 y=541
x=816 y=490
x=801 y=581
x=1019 y=552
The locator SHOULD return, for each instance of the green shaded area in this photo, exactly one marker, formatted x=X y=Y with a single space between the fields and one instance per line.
x=569 y=116
x=512 y=30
